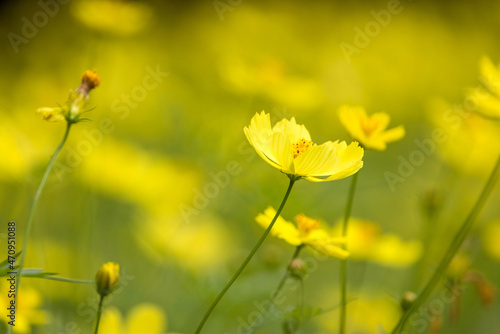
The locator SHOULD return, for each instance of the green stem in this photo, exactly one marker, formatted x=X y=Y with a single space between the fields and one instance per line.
x=343 y=262
x=280 y=286
x=33 y=209
x=452 y=250
x=287 y=272
x=63 y=279
x=98 y=317
x=247 y=260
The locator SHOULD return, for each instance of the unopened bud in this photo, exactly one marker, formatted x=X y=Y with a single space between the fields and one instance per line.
x=107 y=278
x=90 y=80
x=298 y=268
x=407 y=300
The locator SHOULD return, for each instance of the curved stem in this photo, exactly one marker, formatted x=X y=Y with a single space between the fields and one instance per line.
x=287 y=272
x=452 y=250
x=33 y=209
x=247 y=260
x=99 y=312
x=343 y=262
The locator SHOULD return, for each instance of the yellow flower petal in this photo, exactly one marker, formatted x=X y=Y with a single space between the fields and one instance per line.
x=315 y=160
x=281 y=229
x=280 y=149
x=348 y=162
x=258 y=133
x=393 y=134
x=324 y=247
x=381 y=119
x=292 y=129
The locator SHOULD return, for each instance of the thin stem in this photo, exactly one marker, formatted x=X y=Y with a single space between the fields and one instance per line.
x=287 y=272
x=33 y=209
x=247 y=260
x=343 y=262
x=99 y=312
x=63 y=279
x=296 y=253
x=452 y=250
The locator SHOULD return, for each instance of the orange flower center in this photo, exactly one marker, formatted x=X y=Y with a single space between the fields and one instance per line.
x=300 y=147
x=305 y=224
x=369 y=125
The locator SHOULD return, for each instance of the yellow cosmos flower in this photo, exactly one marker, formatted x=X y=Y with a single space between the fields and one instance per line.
x=288 y=147
x=369 y=130
x=307 y=232
x=487 y=100
x=365 y=241
x=143 y=318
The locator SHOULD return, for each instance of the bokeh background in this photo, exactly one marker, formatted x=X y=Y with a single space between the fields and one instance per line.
x=144 y=193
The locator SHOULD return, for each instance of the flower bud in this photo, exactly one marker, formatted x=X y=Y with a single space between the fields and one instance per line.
x=298 y=268
x=107 y=278
x=78 y=99
x=90 y=80
x=407 y=300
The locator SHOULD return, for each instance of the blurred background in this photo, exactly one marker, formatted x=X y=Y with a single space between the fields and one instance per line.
x=163 y=181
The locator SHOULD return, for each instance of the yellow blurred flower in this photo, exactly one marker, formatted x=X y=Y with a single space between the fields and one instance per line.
x=467 y=141
x=143 y=318
x=307 y=232
x=113 y=16
x=370 y=131
x=459 y=266
x=288 y=147
x=107 y=278
x=367 y=314
x=365 y=241
x=269 y=78
x=28 y=311
x=128 y=172
x=164 y=238
x=490 y=237
x=487 y=99
x=390 y=250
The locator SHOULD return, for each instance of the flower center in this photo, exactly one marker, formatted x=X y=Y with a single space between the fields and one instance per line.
x=368 y=125
x=305 y=224
x=300 y=147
